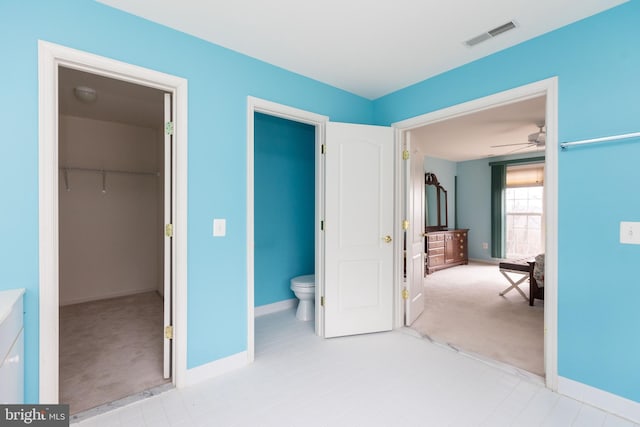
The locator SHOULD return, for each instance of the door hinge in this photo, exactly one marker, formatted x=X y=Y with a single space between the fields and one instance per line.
x=323 y=148
x=168 y=332
x=405 y=224
x=322 y=301
x=321 y=225
x=168 y=230
x=405 y=155
x=168 y=128
x=405 y=294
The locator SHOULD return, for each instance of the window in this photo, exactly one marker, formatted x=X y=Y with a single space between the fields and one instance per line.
x=524 y=180
x=524 y=233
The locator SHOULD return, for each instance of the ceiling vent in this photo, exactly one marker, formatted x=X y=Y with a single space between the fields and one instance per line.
x=491 y=33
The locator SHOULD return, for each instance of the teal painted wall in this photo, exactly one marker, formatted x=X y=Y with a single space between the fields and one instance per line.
x=445 y=170
x=219 y=82
x=596 y=61
x=474 y=202
x=284 y=206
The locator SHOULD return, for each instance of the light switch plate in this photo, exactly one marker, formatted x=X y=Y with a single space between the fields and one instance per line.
x=630 y=232
x=219 y=227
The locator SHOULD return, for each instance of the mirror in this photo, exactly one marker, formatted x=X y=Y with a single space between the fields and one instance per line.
x=436 y=209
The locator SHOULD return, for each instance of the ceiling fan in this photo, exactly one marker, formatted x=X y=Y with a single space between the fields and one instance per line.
x=534 y=140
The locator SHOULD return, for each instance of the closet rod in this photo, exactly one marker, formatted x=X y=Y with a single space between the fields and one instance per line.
x=109 y=171
x=565 y=145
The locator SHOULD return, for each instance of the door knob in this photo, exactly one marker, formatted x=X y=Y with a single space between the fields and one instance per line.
x=387 y=239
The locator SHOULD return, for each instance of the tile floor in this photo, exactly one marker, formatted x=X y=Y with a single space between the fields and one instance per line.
x=387 y=379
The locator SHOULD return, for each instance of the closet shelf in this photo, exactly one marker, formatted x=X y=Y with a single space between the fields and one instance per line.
x=74 y=169
x=66 y=169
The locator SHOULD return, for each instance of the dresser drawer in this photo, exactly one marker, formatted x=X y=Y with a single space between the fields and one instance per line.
x=435 y=237
x=439 y=244
x=435 y=251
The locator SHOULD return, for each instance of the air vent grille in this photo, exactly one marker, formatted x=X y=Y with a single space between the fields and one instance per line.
x=479 y=39
x=502 y=28
x=491 y=33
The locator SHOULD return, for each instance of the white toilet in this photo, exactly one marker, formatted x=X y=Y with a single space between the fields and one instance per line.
x=305 y=289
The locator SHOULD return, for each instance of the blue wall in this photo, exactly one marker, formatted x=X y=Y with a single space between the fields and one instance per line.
x=219 y=82
x=597 y=62
x=474 y=202
x=284 y=205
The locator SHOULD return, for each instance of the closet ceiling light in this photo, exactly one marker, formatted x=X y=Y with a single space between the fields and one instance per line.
x=85 y=94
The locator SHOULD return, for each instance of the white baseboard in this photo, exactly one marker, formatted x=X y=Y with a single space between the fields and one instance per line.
x=604 y=400
x=275 y=307
x=216 y=368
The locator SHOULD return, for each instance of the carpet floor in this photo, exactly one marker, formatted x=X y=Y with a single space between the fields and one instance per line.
x=463 y=308
x=110 y=349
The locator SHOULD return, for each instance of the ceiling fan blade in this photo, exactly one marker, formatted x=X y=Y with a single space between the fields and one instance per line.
x=509 y=145
x=519 y=149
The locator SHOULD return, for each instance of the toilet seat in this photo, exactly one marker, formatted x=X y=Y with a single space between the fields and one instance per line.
x=307 y=281
x=304 y=285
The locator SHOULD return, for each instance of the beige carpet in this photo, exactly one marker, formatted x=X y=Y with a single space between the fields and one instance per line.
x=463 y=309
x=110 y=349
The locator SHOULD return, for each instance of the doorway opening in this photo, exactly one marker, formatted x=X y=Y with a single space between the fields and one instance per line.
x=465 y=305
x=407 y=132
x=112 y=193
x=274 y=121
x=103 y=181
x=284 y=206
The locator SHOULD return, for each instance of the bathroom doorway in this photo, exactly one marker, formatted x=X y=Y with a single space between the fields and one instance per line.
x=284 y=209
x=272 y=131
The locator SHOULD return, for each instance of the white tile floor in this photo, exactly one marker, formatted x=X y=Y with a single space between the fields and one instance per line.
x=387 y=379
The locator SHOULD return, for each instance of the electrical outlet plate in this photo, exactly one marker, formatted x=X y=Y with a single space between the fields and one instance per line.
x=630 y=232
x=219 y=227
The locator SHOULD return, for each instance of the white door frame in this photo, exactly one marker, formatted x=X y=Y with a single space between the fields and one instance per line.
x=50 y=57
x=548 y=87
x=257 y=105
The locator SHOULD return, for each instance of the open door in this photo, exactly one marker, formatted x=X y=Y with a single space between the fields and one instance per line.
x=168 y=235
x=358 y=229
x=414 y=295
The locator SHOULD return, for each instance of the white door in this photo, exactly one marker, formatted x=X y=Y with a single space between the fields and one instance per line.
x=168 y=235
x=358 y=229
x=414 y=302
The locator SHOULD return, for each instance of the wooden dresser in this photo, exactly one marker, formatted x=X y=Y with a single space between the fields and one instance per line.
x=444 y=249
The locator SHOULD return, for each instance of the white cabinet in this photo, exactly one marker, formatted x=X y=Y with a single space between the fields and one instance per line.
x=11 y=347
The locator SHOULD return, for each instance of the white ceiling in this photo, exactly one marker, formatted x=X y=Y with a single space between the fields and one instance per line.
x=369 y=48
x=475 y=136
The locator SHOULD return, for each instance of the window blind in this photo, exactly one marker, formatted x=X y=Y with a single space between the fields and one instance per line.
x=525 y=176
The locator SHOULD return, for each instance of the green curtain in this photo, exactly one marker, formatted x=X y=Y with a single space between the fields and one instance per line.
x=498 y=184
